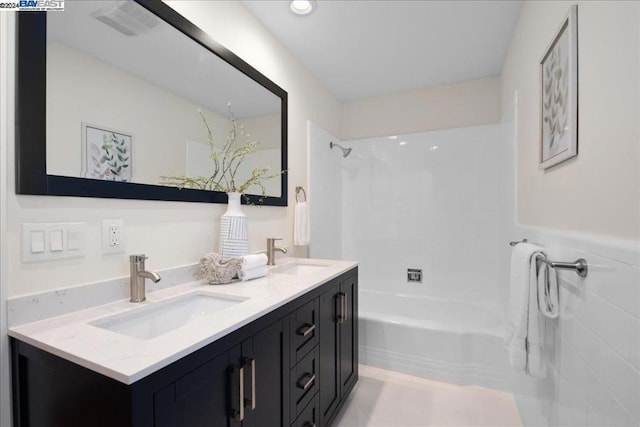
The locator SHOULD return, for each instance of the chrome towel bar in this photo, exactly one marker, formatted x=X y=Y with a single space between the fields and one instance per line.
x=580 y=266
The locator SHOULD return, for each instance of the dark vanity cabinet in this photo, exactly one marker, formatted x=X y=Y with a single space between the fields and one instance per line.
x=224 y=391
x=338 y=345
x=293 y=366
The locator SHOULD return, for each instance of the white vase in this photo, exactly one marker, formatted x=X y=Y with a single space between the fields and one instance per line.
x=234 y=239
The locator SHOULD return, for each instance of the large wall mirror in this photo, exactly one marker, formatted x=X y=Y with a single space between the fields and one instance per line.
x=115 y=96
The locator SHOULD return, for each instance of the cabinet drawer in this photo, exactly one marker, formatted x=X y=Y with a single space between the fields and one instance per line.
x=304 y=382
x=310 y=416
x=304 y=331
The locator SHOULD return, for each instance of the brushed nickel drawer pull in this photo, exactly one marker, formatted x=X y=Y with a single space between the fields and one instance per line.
x=306 y=330
x=251 y=402
x=310 y=381
x=346 y=307
x=239 y=413
x=342 y=316
x=309 y=424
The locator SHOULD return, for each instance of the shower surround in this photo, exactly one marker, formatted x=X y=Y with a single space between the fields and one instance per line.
x=438 y=201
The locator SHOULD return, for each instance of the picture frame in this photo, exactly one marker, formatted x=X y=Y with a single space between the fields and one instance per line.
x=107 y=154
x=559 y=94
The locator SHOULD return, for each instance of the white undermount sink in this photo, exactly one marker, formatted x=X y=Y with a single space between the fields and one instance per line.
x=159 y=318
x=295 y=268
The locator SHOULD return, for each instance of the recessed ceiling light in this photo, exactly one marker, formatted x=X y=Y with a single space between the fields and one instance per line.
x=393 y=137
x=402 y=143
x=302 y=7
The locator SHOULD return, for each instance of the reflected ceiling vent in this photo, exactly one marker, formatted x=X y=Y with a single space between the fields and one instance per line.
x=127 y=18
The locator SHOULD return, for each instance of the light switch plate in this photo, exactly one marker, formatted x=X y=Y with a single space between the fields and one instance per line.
x=48 y=241
x=37 y=241
x=55 y=240
x=73 y=239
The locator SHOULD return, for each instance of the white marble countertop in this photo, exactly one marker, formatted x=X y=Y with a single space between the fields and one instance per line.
x=128 y=359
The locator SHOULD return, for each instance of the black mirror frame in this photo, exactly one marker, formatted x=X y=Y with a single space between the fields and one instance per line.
x=31 y=144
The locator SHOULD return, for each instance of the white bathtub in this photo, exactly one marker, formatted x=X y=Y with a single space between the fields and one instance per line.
x=445 y=340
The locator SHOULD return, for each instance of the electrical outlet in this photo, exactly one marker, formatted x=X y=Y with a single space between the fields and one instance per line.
x=113 y=236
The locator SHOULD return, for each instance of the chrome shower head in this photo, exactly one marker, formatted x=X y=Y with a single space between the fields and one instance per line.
x=345 y=151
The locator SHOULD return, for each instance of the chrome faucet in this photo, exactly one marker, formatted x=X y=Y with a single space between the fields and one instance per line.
x=271 y=250
x=138 y=276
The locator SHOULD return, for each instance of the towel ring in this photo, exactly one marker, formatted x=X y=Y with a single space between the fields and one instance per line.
x=299 y=190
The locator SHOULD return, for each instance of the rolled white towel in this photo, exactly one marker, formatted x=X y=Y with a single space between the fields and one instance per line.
x=253 y=260
x=252 y=273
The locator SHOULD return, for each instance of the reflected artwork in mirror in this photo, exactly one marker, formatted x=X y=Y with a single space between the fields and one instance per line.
x=112 y=96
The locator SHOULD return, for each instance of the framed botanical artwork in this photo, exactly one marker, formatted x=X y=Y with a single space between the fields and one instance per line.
x=106 y=153
x=559 y=94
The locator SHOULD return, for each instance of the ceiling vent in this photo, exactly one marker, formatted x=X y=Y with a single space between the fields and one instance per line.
x=127 y=18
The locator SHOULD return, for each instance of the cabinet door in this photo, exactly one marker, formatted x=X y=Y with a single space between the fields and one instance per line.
x=266 y=355
x=197 y=399
x=349 y=335
x=329 y=354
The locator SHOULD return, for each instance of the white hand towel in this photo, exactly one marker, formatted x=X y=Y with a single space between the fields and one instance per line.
x=535 y=335
x=301 y=230
x=253 y=260
x=548 y=291
x=252 y=273
x=523 y=333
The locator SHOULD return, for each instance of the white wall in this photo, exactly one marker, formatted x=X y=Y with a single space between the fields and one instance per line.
x=324 y=193
x=431 y=200
x=599 y=191
x=592 y=350
x=173 y=233
x=468 y=103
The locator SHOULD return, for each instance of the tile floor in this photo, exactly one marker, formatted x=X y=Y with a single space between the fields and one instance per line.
x=384 y=398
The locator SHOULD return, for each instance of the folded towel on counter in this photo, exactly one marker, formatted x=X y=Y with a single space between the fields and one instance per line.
x=523 y=339
x=548 y=291
x=252 y=273
x=253 y=260
x=301 y=230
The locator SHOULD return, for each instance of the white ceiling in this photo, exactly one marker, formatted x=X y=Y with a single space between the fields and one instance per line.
x=364 y=48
